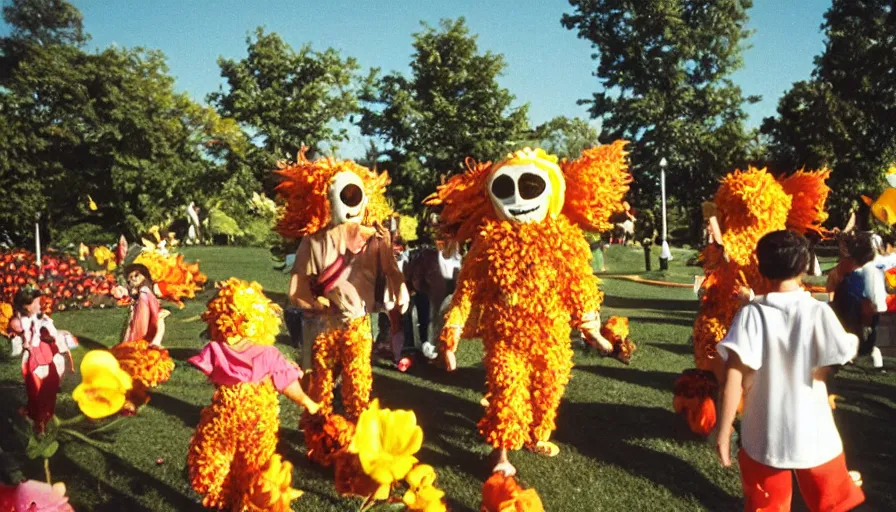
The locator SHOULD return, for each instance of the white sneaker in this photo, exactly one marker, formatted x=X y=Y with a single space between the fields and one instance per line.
x=877 y=359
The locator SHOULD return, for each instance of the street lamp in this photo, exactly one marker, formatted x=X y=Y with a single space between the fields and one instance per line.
x=665 y=253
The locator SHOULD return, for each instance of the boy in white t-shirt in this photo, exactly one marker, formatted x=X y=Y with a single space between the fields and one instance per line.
x=778 y=351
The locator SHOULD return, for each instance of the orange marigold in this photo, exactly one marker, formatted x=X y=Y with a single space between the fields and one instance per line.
x=5 y=316
x=241 y=311
x=326 y=435
x=175 y=278
x=350 y=478
x=304 y=187
x=345 y=345
x=503 y=494
x=147 y=364
x=235 y=439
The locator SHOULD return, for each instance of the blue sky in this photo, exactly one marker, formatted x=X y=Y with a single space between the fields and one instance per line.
x=547 y=65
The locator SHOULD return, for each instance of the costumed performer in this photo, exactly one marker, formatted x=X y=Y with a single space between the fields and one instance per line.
x=747 y=205
x=232 y=458
x=344 y=269
x=526 y=279
x=35 y=337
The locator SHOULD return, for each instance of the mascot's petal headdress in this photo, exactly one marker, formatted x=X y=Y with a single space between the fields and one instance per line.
x=304 y=187
x=587 y=190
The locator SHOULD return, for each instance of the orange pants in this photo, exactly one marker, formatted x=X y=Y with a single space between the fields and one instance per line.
x=825 y=488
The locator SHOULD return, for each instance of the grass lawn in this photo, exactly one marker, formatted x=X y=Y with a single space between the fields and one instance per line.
x=622 y=447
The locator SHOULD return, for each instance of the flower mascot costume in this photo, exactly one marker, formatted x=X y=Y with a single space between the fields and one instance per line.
x=747 y=205
x=526 y=279
x=344 y=270
x=232 y=459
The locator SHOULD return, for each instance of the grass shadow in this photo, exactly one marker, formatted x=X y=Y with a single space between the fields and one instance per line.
x=674 y=348
x=664 y=320
x=663 y=381
x=187 y=412
x=579 y=425
x=139 y=483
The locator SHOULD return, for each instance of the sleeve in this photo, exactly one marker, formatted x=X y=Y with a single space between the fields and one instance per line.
x=832 y=344
x=305 y=264
x=875 y=291
x=203 y=360
x=282 y=372
x=745 y=337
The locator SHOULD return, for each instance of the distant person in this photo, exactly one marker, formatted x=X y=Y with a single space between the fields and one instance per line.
x=779 y=350
x=845 y=265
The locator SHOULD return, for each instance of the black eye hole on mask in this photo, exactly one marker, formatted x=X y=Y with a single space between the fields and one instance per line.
x=503 y=187
x=531 y=185
x=351 y=195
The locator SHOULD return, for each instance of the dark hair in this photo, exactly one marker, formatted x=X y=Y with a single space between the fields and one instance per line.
x=888 y=239
x=861 y=248
x=139 y=267
x=783 y=255
x=24 y=297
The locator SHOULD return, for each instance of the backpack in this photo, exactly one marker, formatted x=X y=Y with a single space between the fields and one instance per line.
x=851 y=306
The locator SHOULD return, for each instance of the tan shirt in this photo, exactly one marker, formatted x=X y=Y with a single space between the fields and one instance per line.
x=366 y=255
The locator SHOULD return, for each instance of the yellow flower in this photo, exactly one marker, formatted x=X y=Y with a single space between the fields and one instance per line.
x=104 y=385
x=105 y=257
x=386 y=442
x=271 y=491
x=422 y=495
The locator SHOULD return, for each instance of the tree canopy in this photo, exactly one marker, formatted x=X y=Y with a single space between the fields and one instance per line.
x=104 y=125
x=286 y=98
x=450 y=107
x=843 y=116
x=664 y=69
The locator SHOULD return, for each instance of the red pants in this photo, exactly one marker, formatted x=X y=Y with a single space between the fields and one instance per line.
x=825 y=488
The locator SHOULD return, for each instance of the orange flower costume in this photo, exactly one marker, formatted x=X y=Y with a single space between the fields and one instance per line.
x=232 y=460
x=344 y=269
x=748 y=205
x=527 y=277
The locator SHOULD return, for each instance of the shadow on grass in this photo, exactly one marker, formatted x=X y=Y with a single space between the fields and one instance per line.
x=869 y=445
x=139 y=483
x=674 y=348
x=187 y=412
x=611 y=301
x=662 y=320
x=90 y=344
x=182 y=353
x=663 y=381
x=585 y=426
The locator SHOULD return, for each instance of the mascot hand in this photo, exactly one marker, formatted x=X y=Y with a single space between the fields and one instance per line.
x=321 y=303
x=591 y=332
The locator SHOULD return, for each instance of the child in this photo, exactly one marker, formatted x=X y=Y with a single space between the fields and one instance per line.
x=778 y=352
x=42 y=348
x=232 y=455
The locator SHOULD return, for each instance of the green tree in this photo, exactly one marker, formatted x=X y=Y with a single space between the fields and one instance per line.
x=842 y=118
x=664 y=68
x=449 y=108
x=286 y=99
x=108 y=126
x=566 y=137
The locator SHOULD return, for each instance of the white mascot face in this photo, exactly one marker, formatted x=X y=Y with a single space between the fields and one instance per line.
x=347 y=198
x=520 y=193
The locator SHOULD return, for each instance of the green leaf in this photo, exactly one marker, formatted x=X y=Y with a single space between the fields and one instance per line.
x=50 y=449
